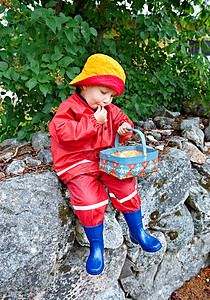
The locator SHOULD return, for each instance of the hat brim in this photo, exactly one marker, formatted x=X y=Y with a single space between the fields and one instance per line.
x=113 y=82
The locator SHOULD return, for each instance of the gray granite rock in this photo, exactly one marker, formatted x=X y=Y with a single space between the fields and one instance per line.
x=12 y=142
x=189 y=123
x=195 y=135
x=163 y=112
x=207 y=134
x=162 y=121
x=162 y=193
x=71 y=280
x=178 y=228
x=45 y=155
x=138 y=279
x=199 y=203
x=16 y=167
x=149 y=124
x=114 y=292
x=176 y=268
x=33 y=229
x=40 y=140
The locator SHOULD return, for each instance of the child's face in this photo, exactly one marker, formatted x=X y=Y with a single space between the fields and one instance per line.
x=97 y=95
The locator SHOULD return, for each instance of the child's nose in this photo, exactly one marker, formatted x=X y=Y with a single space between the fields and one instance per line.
x=107 y=99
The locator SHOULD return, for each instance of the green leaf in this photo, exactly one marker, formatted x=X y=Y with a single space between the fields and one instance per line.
x=31 y=83
x=37 y=117
x=47 y=108
x=44 y=89
x=46 y=57
x=69 y=35
x=52 y=24
x=78 y=19
x=72 y=24
x=93 y=31
x=3 y=120
x=3 y=66
x=51 y=4
x=21 y=135
x=66 y=61
x=144 y=35
x=56 y=56
x=35 y=66
x=147 y=22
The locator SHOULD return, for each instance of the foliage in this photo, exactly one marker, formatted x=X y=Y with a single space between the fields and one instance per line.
x=44 y=47
x=41 y=53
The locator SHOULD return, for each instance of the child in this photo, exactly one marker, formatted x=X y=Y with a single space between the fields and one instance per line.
x=85 y=124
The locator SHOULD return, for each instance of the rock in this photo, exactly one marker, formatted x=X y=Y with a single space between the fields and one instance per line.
x=189 y=123
x=40 y=140
x=112 y=293
x=194 y=153
x=113 y=237
x=16 y=167
x=71 y=281
x=195 y=135
x=176 y=141
x=149 y=124
x=156 y=135
x=194 y=107
x=162 y=121
x=12 y=142
x=160 y=147
x=138 y=279
x=46 y=156
x=204 y=169
x=180 y=267
x=207 y=134
x=35 y=224
x=151 y=138
x=172 y=226
x=162 y=131
x=199 y=204
x=163 y=193
x=163 y=112
x=31 y=161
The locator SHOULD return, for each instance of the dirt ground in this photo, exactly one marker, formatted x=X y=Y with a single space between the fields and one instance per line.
x=197 y=288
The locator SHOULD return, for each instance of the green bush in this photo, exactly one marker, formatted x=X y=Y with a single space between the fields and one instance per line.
x=41 y=53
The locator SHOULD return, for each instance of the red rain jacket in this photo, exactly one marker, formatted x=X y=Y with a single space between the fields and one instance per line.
x=77 y=138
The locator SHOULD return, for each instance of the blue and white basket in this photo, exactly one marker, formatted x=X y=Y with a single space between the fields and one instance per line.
x=145 y=160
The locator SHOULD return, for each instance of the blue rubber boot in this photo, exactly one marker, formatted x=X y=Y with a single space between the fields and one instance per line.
x=95 y=261
x=137 y=233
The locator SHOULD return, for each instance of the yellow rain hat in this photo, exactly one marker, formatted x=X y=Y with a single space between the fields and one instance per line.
x=101 y=69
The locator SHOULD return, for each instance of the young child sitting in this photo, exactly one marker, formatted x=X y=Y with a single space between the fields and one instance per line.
x=86 y=123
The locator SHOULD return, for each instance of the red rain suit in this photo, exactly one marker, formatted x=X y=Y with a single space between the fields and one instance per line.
x=76 y=141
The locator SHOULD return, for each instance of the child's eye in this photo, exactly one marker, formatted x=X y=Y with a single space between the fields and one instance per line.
x=103 y=92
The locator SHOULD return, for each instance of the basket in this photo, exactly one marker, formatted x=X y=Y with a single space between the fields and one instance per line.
x=129 y=161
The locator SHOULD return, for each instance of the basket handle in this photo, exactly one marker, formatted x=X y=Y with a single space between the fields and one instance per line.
x=144 y=147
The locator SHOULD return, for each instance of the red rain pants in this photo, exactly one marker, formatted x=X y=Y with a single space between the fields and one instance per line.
x=90 y=200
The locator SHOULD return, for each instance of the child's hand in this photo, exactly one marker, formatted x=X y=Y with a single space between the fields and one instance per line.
x=122 y=129
x=101 y=115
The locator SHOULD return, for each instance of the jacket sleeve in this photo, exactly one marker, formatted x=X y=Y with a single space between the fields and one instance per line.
x=118 y=119
x=65 y=129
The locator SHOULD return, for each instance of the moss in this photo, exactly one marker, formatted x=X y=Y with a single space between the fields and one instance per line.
x=205 y=183
x=178 y=213
x=152 y=223
x=160 y=184
x=164 y=197
x=154 y=215
x=65 y=269
x=173 y=235
x=63 y=214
